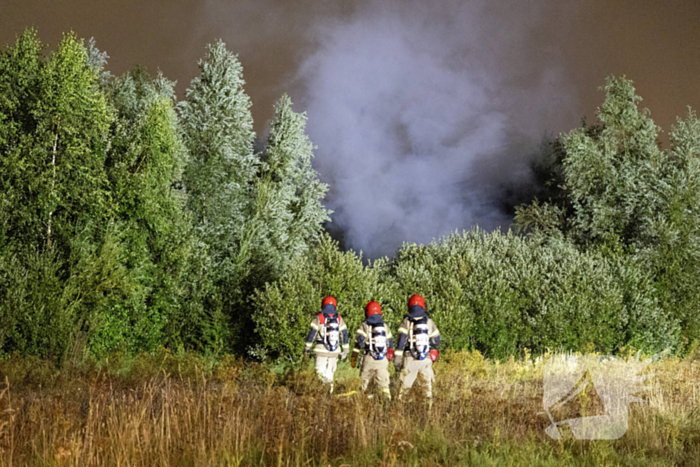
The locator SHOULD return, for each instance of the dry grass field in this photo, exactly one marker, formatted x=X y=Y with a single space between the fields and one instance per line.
x=167 y=410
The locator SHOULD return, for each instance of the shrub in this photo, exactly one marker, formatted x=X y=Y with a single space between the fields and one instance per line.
x=285 y=308
x=499 y=293
x=496 y=293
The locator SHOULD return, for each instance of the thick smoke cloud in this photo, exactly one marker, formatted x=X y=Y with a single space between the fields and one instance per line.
x=424 y=113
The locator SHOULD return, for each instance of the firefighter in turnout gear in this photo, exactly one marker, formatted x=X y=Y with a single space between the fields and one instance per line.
x=417 y=346
x=374 y=345
x=328 y=339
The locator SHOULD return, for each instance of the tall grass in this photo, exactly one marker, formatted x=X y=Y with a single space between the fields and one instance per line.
x=185 y=410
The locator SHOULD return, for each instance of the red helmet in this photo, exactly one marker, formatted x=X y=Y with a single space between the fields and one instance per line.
x=373 y=308
x=328 y=300
x=416 y=300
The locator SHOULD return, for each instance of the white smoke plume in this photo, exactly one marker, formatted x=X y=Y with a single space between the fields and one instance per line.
x=425 y=111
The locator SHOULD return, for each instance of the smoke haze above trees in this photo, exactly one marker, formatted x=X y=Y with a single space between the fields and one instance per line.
x=518 y=48
x=423 y=125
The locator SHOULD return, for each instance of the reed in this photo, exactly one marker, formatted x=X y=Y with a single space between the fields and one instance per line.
x=166 y=410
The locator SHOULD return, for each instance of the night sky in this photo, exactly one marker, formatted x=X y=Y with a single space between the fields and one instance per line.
x=511 y=54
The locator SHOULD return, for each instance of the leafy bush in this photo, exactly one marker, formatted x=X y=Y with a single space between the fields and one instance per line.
x=496 y=293
x=499 y=293
x=620 y=193
x=96 y=249
x=285 y=308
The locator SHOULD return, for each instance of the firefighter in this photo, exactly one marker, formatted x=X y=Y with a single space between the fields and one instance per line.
x=374 y=345
x=417 y=346
x=327 y=331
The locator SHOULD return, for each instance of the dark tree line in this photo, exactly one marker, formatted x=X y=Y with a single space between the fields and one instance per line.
x=130 y=221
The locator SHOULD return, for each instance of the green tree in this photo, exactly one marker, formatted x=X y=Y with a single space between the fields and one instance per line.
x=255 y=216
x=289 y=213
x=289 y=195
x=59 y=258
x=145 y=165
x=611 y=175
x=623 y=195
x=217 y=129
x=218 y=132
x=53 y=137
x=675 y=228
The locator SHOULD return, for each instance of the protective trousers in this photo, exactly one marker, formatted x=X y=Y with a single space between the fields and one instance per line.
x=410 y=371
x=325 y=367
x=377 y=370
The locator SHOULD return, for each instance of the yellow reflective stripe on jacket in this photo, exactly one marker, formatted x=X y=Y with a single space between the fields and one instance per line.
x=314 y=326
x=398 y=353
x=355 y=350
x=403 y=331
x=435 y=333
x=360 y=331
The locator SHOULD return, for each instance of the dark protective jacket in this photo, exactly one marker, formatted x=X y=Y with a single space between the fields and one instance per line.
x=369 y=333
x=322 y=333
x=417 y=334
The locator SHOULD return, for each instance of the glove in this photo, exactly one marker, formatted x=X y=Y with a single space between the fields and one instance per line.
x=353 y=360
x=398 y=360
x=434 y=354
x=343 y=354
x=390 y=354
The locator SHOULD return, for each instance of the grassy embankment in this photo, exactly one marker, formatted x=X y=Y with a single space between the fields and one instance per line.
x=186 y=410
